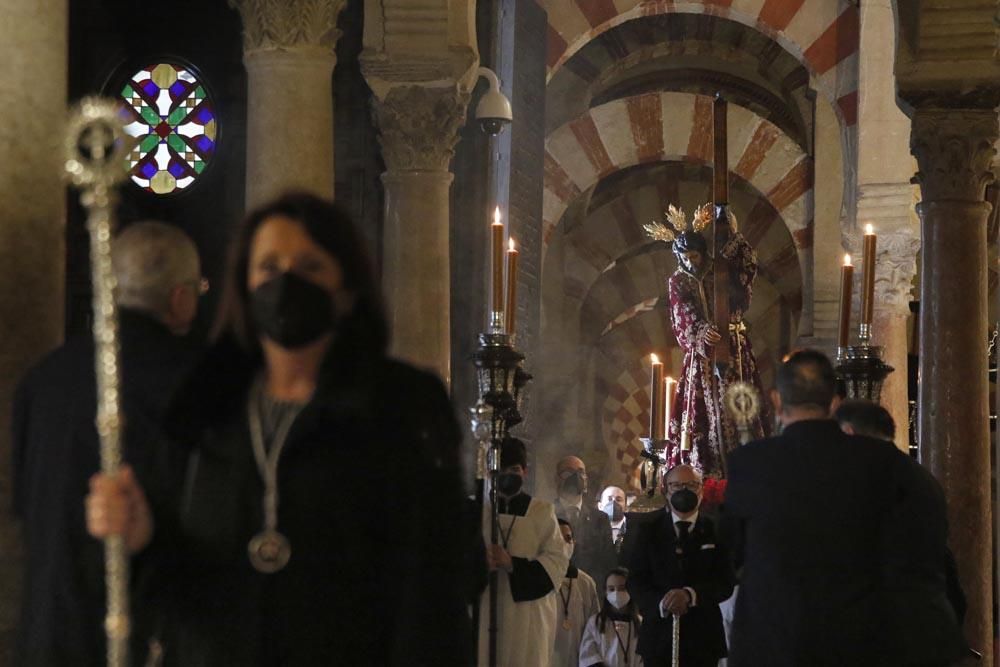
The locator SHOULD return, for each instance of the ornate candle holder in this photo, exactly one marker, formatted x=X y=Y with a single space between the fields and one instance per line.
x=500 y=381
x=497 y=366
x=654 y=462
x=862 y=370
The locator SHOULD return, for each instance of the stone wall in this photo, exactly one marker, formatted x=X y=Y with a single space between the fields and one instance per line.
x=506 y=170
x=526 y=180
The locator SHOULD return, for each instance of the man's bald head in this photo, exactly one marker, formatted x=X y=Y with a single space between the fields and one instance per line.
x=571 y=478
x=571 y=464
x=682 y=473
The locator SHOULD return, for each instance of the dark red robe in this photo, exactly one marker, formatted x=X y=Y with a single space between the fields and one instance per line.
x=698 y=402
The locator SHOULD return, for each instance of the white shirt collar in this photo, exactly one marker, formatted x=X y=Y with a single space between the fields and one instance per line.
x=617 y=526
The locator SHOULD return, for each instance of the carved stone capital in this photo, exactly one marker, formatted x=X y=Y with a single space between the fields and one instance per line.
x=895 y=266
x=954 y=150
x=418 y=126
x=284 y=24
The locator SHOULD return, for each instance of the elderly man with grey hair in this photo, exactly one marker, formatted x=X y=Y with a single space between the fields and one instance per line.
x=158 y=273
x=55 y=444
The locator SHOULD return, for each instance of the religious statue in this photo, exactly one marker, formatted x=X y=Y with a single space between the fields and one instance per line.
x=701 y=431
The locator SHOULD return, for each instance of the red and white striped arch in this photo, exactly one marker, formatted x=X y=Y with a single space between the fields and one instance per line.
x=822 y=34
x=673 y=126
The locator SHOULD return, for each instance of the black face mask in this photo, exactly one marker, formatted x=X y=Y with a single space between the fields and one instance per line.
x=292 y=311
x=574 y=485
x=509 y=484
x=684 y=500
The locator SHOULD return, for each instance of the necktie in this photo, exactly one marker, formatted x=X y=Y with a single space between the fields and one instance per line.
x=683 y=530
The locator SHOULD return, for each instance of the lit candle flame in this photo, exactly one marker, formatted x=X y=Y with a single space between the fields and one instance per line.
x=510 y=245
x=847 y=260
x=496 y=216
x=655 y=359
x=869 y=230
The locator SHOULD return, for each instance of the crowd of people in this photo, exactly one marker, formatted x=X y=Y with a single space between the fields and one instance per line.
x=283 y=508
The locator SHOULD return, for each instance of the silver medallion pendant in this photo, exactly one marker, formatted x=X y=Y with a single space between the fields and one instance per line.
x=269 y=551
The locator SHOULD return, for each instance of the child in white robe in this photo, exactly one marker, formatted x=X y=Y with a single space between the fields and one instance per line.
x=612 y=635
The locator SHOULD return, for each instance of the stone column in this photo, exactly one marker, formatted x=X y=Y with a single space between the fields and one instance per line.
x=33 y=48
x=896 y=260
x=885 y=200
x=288 y=50
x=954 y=148
x=418 y=126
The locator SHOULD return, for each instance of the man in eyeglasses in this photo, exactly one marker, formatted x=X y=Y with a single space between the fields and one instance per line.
x=680 y=570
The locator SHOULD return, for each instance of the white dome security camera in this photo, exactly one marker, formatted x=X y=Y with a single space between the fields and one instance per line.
x=493 y=112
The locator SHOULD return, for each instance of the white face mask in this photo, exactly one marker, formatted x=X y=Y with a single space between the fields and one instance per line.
x=568 y=549
x=619 y=599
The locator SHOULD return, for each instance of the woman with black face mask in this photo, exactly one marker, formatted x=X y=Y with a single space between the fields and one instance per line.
x=313 y=502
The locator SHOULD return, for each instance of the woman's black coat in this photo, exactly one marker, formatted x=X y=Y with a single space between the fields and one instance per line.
x=370 y=501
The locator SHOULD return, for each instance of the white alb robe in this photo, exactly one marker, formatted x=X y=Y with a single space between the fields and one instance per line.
x=581 y=593
x=526 y=630
x=597 y=648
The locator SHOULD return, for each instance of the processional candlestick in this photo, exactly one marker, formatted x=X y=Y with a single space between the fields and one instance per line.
x=860 y=367
x=501 y=382
x=96 y=150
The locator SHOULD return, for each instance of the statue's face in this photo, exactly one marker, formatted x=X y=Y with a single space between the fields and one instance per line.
x=693 y=260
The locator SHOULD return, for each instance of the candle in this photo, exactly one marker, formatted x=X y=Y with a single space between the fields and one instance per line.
x=496 y=230
x=868 y=284
x=511 y=306
x=669 y=391
x=846 y=290
x=656 y=400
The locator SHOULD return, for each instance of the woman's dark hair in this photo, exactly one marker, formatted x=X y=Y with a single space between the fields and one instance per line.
x=608 y=610
x=330 y=227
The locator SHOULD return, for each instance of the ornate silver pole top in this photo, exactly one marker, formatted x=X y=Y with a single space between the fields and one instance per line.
x=96 y=144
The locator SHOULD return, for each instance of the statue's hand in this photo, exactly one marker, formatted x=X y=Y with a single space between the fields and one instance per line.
x=710 y=336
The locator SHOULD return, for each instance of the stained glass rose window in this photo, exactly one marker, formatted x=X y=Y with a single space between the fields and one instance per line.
x=171 y=113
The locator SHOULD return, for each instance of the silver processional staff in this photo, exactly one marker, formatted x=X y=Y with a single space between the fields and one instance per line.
x=96 y=150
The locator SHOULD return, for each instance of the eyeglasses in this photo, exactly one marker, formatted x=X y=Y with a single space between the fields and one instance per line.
x=690 y=486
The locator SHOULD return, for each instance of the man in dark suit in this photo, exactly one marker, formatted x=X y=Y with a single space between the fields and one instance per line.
x=679 y=568
x=820 y=519
x=595 y=551
x=56 y=447
x=925 y=568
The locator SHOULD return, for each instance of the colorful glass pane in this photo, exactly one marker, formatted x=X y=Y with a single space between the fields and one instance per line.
x=172 y=115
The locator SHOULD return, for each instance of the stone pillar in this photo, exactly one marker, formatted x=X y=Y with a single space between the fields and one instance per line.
x=954 y=148
x=897 y=253
x=885 y=200
x=288 y=50
x=418 y=126
x=420 y=62
x=33 y=48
